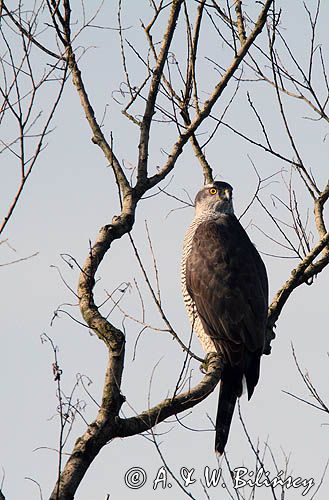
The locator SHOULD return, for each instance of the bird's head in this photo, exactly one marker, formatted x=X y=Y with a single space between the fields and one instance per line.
x=214 y=198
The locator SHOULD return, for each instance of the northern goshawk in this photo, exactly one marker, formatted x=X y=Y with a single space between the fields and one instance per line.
x=225 y=291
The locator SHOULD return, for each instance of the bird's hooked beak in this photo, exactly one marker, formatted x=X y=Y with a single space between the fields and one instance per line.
x=227 y=194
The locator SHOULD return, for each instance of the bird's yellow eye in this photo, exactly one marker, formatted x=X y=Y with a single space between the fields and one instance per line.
x=212 y=190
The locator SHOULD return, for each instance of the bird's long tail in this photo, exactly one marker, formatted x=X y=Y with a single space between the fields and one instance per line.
x=226 y=404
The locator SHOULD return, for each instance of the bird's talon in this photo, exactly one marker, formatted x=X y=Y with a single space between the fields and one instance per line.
x=205 y=363
x=203 y=367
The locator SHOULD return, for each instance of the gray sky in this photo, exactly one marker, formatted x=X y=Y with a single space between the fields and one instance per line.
x=70 y=195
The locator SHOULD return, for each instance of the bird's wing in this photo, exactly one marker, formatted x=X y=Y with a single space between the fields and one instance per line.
x=227 y=280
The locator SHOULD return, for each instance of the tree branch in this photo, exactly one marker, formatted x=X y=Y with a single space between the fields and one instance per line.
x=98 y=136
x=28 y=35
x=208 y=105
x=305 y=271
x=172 y=406
x=153 y=92
x=240 y=21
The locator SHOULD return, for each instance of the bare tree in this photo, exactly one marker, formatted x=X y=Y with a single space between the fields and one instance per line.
x=169 y=93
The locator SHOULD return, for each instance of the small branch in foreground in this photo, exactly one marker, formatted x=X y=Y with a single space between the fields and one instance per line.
x=107 y=427
x=306 y=270
x=171 y=406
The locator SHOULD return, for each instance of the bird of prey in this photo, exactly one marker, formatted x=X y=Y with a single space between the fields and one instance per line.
x=225 y=290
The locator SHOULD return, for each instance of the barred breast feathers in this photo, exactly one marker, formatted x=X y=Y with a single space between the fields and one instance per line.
x=206 y=342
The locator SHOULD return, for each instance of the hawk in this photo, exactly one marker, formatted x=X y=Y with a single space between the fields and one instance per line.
x=225 y=290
